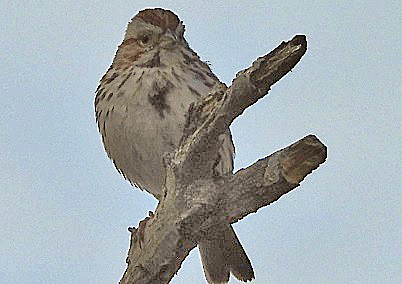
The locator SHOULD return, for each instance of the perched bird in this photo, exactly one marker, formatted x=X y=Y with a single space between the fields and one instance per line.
x=141 y=105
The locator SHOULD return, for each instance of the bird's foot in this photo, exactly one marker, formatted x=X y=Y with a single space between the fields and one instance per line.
x=141 y=228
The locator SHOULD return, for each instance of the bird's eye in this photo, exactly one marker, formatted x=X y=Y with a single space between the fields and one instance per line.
x=144 y=39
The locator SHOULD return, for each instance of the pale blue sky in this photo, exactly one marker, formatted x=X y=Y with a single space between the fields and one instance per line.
x=64 y=210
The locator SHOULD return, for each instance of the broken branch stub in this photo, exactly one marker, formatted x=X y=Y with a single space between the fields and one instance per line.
x=271 y=177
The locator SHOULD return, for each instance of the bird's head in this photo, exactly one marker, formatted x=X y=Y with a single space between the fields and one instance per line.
x=148 y=33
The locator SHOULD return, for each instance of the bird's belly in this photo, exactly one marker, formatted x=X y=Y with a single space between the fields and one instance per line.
x=137 y=137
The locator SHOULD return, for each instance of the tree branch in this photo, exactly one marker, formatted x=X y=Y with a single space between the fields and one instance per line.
x=195 y=199
x=223 y=107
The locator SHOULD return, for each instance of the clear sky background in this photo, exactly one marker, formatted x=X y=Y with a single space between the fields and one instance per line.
x=64 y=210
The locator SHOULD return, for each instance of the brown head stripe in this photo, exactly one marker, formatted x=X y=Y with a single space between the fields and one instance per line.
x=159 y=17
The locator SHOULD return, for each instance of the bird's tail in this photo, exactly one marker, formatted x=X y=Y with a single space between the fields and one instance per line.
x=222 y=253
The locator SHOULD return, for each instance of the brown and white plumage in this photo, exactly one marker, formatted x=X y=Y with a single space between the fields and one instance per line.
x=141 y=104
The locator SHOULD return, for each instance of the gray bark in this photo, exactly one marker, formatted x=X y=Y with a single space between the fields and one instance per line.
x=195 y=199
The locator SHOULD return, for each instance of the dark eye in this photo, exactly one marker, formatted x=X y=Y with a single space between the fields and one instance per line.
x=144 y=39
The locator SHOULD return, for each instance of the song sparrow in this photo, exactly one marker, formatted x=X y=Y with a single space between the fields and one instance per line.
x=141 y=104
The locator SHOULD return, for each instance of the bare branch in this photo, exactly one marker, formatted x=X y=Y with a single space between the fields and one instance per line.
x=178 y=222
x=268 y=179
x=195 y=200
x=247 y=88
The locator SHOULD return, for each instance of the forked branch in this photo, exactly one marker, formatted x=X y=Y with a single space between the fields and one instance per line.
x=196 y=200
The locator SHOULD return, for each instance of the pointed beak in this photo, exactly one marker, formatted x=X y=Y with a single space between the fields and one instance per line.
x=168 y=39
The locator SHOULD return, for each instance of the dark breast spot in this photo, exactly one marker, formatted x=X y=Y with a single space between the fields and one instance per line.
x=139 y=78
x=111 y=78
x=109 y=96
x=124 y=81
x=100 y=95
x=157 y=97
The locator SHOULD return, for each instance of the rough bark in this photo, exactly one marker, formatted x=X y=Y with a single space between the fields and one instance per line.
x=195 y=199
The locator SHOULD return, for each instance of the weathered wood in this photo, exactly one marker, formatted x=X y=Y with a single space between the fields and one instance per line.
x=195 y=199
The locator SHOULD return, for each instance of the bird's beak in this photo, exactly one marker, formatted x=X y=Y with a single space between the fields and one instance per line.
x=168 y=39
